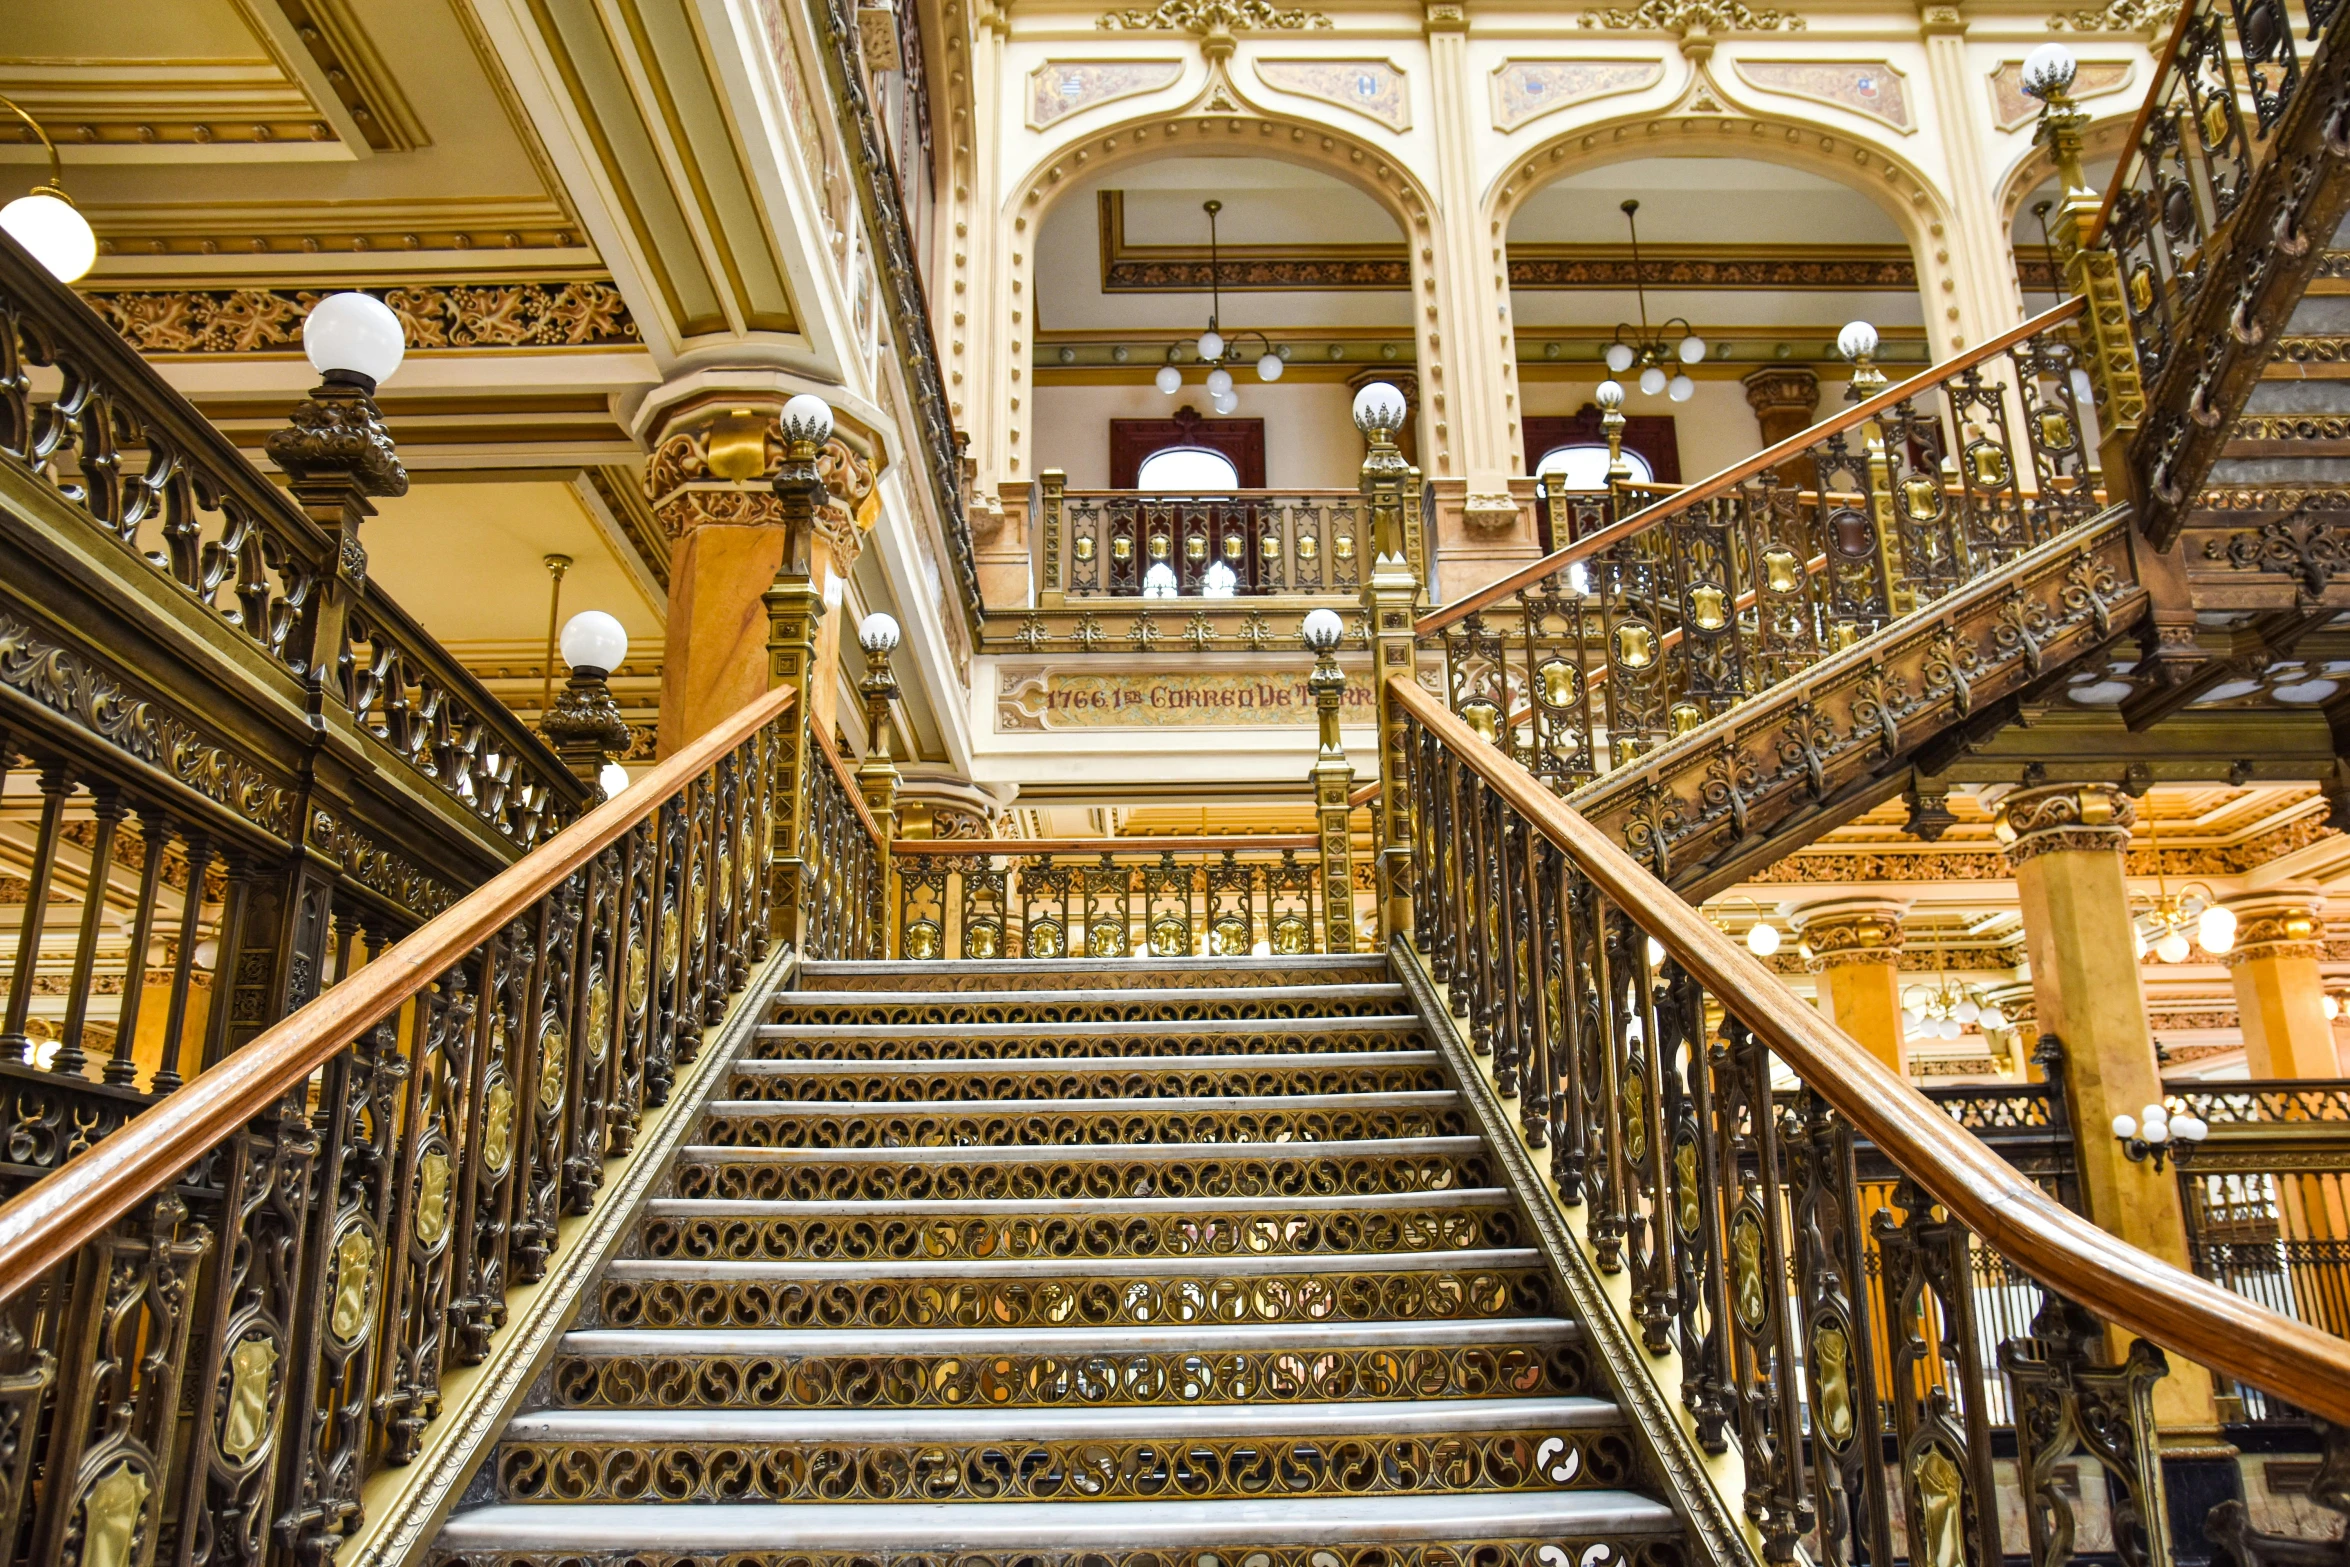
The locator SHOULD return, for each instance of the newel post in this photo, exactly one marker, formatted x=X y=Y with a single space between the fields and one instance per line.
x=877 y=774
x=1334 y=781
x=795 y=618
x=1391 y=595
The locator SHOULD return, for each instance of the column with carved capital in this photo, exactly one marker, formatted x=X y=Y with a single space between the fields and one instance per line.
x=711 y=483
x=1786 y=402
x=2280 y=995
x=2066 y=842
x=1854 y=947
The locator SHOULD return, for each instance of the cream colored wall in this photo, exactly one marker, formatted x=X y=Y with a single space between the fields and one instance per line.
x=1714 y=429
x=1310 y=438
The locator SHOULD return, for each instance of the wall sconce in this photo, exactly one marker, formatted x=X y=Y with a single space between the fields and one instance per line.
x=2155 y=1132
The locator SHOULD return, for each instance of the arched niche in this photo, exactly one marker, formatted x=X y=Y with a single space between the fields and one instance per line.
x=1078 y=166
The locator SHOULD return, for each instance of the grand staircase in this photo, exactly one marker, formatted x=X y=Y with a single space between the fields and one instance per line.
x=1199 y=1262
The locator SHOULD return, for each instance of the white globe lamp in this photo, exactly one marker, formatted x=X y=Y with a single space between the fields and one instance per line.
x=1169 y=380
x=1270 y=366
x=54 y=231
x=355 y=336
x=594 y=640
x=1323 y=630
x=878 y=633
x=1379 y=407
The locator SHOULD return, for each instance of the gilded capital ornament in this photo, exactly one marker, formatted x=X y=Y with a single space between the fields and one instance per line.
x=1850 y=931
x=2282 y=923
x=2074 y=818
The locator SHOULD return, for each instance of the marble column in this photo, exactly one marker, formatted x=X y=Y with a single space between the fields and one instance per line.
x=1855 y=947
x=710 y=483
x=2066 y=842
x=2280 y=995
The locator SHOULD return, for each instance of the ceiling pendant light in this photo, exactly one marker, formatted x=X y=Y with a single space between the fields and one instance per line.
x=1652 y=349
x=46 y=222
x=1223 y=396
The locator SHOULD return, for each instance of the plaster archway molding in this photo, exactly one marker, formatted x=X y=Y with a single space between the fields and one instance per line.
x=1220 y=122
x=1871 y=168
x=2034 y=166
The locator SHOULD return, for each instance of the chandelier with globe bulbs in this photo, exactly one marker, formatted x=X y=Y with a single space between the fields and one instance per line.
x=1652 y=349
x=1215 y=349
x=45 y=221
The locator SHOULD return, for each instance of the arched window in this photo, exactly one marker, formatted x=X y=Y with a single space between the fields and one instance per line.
x=1187 y=470
x=1586 y=466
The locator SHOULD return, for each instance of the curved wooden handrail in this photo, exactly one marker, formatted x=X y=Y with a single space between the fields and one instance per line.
x=1730 y=478
x=2146 y=107
x=848 y=781
x=2006 y=1208
x=48 y=1222
x=1238 y=843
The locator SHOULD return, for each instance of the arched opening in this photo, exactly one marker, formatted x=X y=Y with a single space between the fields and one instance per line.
x=1308 y=285
x=1583 y=466
x=1187 y=470
x=1746 y=271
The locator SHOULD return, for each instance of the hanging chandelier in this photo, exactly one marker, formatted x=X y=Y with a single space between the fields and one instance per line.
x=2162 y=926
x=1653 y=349
x=1215 y=350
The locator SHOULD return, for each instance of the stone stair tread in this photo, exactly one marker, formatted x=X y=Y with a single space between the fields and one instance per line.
x=1053 y=1267
x=1305 y=1337
x=1071 y=1207
x=1158 y=1153
x=944 y=1527
x=1385 y=990
x=1032 y=1423
x=1402 y=1023
x=1416 y=1098
x=1326 y=1060
x=815 y=971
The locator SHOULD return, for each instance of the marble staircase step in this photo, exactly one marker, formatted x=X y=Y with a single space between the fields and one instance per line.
x=1105 y=1077
x=851 y=1043
x=1203 y=1004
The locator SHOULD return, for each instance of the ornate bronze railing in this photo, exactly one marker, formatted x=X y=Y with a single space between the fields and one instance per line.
x=845 y=901
x=1276 y=543
x=1645 y=1056
x=1110 y=897
x=218 y=1321
x=2227 y=194
x=1646 y=627
x=155 y=492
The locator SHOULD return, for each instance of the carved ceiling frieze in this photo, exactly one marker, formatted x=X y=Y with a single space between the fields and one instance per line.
x=2153 y=18
x=516 y=314
x=1689 y=16
x=1202 y=17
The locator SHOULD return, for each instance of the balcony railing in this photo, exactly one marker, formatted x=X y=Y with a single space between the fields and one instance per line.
x=1094 y=544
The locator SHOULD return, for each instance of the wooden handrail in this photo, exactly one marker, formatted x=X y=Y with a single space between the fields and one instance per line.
x=1730 y=478
x=2146 y=107
x=1238 y=843
x=48 y=1222
x=2062 y=1250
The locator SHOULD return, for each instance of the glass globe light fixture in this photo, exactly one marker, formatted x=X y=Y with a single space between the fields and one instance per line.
x=1652 y=380
x=2333 y=1008
x=1610 y=396
x=1691 y=349
x=1911 y=1017
x=808 y=418
x=613 y=778
x=2137 y=943
x=1619 y=357
x=1224 y=402
x=1169 y=380
x=1211 y=344
x=2048 y=69
x=2125 y=1127
x=1762 y=938
x=878 y=633
x=1379 y=407
x=1270 y=366
x=1323 y=630
x=1857 y=340
x=1219 y=381
x=1992 y=1017
x=1680 y=389
x=53 y=230
x=594 y=640
x=353 y=335
x=2172 y=947
x=1159 y=581
x=1219 y=582
x=1967 y=1011
x=2215 y=928
x=207 y=952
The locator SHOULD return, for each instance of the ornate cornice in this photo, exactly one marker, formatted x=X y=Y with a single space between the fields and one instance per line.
x=1688 y=16
x=518 y=314
x=686 y=493
x=2153 y=18
x=1203 y=17
x=2280 y=923
x=2082 y=817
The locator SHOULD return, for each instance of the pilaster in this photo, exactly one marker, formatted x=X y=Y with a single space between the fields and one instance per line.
x=1471 y=382
x=2280 y=994
x=1854 y=947
x=1985 y=297
x=2065 y=842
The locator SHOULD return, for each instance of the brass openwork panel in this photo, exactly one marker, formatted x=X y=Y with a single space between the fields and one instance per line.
x=1104 y=1469
x=1044 y=974
x=902 y=1235
x=887 y=1176
x=1036 y=1379
x=999 y=1042
x=1122 y=1079
x=1272 y=1001
x=957 y=1300
x=822 y=1126
x=1546 y=1551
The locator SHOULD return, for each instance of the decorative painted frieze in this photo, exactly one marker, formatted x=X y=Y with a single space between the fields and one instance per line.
x=1870 y=87
x=1060 y=88
x=2012 y=108
x=1526 y=90
x=1372 y=88
x=468 y=315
